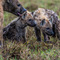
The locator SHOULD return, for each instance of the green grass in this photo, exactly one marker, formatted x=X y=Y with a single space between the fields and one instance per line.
x=1 y=57
x=32 y=50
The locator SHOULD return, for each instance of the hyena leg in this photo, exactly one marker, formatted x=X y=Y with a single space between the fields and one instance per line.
x=58 y=34
x=46 y=37
x=38 y=34
x=1 y=25
x=24 y=36
x=24 y=39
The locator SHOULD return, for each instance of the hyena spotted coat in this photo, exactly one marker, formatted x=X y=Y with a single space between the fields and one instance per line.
x=57 y=30
x=16 y=30
x=46 y=22
x=12 y=6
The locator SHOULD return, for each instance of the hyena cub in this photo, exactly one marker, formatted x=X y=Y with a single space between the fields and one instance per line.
x=16 y=29
x=45 y=20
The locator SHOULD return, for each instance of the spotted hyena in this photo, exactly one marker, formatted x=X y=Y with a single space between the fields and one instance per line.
x=16 y=30
x=46 y=19
x=12 y=6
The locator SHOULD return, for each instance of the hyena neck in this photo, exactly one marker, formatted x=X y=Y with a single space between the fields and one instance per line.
x=3 y=2
x=20 y=23
x=5 y=6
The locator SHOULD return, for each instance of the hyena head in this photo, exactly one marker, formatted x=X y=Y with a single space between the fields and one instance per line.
x=43 y=21
x=27 y=19
x=14 y=7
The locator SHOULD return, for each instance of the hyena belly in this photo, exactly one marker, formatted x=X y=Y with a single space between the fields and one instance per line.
x=14 y=31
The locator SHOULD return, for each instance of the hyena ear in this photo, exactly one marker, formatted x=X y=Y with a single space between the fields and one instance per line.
x=51 y=20
x=42 y=22
x=24 y=15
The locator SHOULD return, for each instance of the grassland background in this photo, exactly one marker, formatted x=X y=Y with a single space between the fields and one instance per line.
x=32 y=50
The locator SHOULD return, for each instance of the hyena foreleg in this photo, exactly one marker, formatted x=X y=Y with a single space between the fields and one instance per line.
x=24 y=35
x=46 y=37
x=38 y=34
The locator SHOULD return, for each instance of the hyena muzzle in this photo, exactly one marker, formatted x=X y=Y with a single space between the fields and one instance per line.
x=14 y=7
x=45 y=19
x=16 y=30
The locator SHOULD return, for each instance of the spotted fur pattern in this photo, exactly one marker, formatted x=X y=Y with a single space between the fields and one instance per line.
x=45 y=20
x=58 y=29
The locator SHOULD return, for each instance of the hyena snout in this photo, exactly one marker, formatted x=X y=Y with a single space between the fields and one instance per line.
x=14 y=7
x=31 y=23
x=20 y=10
x=49 y=31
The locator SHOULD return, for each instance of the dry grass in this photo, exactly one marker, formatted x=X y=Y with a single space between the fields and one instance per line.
x=32 y=50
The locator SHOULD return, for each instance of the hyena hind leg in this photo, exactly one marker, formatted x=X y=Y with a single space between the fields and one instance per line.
x=58 y=29
x=58 y=34
x=38 y=34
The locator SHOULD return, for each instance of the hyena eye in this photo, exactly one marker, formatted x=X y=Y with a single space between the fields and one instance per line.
x=18 y=5
x=29 y=19
x=35 y=16
x=47 y=28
